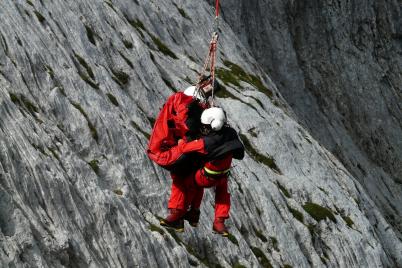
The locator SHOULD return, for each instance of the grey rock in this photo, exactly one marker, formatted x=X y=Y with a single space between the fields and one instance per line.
x=80 y=85
x=338 y=65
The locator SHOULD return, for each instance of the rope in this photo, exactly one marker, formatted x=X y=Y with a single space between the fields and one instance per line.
x=211 y=57
x=217 y=8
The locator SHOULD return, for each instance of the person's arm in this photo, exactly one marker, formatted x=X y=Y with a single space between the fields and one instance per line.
x=170 y=156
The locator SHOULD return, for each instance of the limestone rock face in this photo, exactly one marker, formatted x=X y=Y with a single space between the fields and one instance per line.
x=81 y=83
x=339 y=66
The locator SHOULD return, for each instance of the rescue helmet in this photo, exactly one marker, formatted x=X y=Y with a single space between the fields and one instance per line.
x=214 y=117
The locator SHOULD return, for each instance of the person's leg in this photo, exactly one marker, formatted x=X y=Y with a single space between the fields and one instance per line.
x=200 y=182
x=177 y=198
x=197 y=198
x=222 y=199
x=203 y=179
x=194 y=196
x=177 y=204
x=222 y=206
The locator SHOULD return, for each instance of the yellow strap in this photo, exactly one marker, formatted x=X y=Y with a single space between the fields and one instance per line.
x=212 y=172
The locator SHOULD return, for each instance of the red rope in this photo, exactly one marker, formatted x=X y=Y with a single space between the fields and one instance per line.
x=211 y=57
x=217 y=8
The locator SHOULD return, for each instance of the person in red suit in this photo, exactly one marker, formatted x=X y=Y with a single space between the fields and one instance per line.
x=175 y=136
x=222 y=144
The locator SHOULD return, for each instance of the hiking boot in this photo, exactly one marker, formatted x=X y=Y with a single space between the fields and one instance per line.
x=219 y=227
x=174 y=220
x=192 y=216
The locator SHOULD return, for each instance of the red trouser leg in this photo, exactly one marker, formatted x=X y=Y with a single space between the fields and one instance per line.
x=179 y=196
x=197 y=195
x=222 y=199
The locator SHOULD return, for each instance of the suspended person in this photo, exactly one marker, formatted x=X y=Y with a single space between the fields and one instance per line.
x=222 y=145
x=179 y=120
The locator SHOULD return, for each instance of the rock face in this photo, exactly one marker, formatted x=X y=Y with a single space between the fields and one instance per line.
x=339 y=66
x=81 y=83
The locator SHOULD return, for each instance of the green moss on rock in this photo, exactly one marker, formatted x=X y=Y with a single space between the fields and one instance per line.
x=24 y=102
x=274 y=242
x=120 y=77
x=297 y=214
x=182 y=12
x=268 y=161
x=260 y=235
x=284 y=190
x=39 y=16
x=227 y=77
x=118 y=192
x=29 y=105
x=94 y=164
x=85 y=65
x=252 y=132
x=127 y=44
x=263 y=260
x=87 y=76
x=39 y=148
x=90 y=34
x=155 y=228
x=224 y=93
x=137 y=24
x=112 y=99
x=14 y=98
x=234 y=74
x=111 y=6
x=129 y=63
x=233 y=239
x=259 y=212
x=50 y=71
x=238 y=265
x=94 y=132
x=87 y=80
x=175 y=236
x=162 y=47
x=53 y=151
x=348 y=221
x=318 y=212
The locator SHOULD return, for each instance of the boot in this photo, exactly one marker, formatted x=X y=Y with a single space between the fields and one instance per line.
x=192 y=216
x=174 y=220
x=219 y=227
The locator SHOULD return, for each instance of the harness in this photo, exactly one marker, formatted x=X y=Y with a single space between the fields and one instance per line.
x=216 y=173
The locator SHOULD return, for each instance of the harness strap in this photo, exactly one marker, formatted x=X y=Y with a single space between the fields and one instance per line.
x=213 y=172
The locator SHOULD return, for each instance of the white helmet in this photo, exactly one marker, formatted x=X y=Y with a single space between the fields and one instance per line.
x=215 y=117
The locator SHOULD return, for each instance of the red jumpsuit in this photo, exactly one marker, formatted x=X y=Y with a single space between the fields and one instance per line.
x=164 y=148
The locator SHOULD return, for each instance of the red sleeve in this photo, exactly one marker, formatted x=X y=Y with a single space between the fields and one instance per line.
x=160 y=131
x=180 y=113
